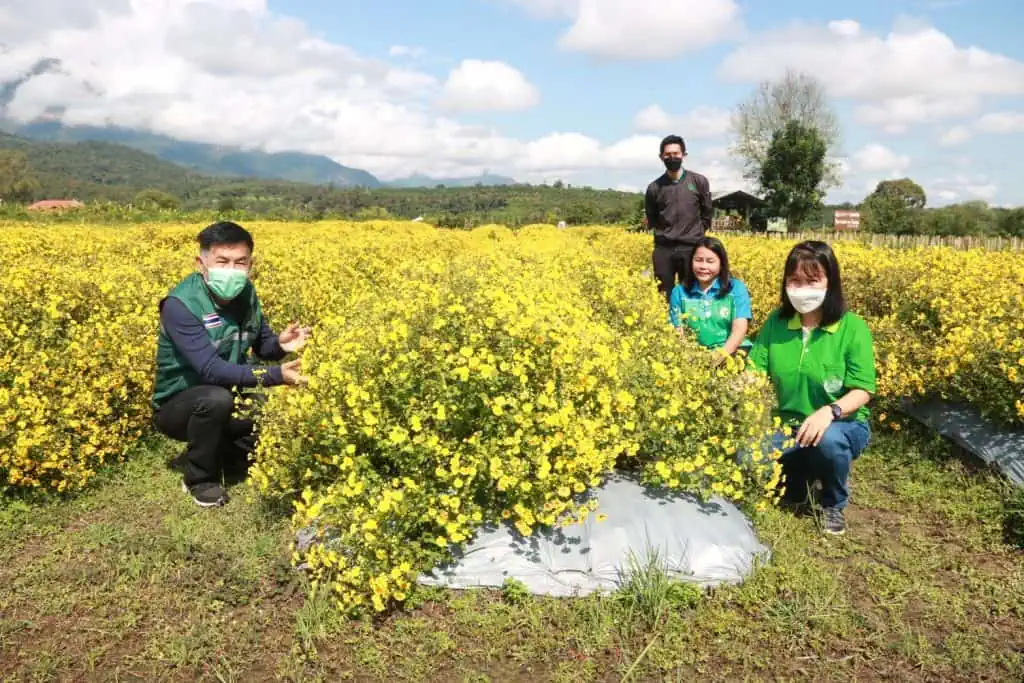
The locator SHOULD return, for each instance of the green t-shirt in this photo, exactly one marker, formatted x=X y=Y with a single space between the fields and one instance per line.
x=812 y=374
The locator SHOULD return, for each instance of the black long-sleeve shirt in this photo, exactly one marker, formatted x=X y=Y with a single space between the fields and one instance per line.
x=679 y=211
x=190 y=337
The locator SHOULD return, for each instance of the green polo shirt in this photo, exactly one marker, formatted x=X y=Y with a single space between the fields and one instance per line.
x=710 y=314
x=812 y=374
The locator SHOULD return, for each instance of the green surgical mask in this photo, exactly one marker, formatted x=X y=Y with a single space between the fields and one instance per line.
x=226 y=283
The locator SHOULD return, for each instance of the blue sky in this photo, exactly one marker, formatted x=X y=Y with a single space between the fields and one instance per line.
x=580 y=90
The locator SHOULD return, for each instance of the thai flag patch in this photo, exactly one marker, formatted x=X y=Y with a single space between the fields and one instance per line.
x=212 y=320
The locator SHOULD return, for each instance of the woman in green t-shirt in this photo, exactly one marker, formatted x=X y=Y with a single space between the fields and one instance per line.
x=710 y=303
x=820 y=359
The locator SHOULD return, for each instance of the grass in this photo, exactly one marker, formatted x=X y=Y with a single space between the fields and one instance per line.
x=131 y=581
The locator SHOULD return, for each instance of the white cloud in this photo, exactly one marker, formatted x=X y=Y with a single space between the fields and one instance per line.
x=478 y=85
x=957 y=135
x=873 y=158
x=550 y=9
x=960 y=187
x=987 y=191
x=638 y=151
x=274 y=85
x=406 y=51
x=914 y=74
x=21 y=20
x=560 y=153
x=898 y=114
x=281 y=88
x=698 y=123
x=845 y=27
x=640 y=29
x=995 y=123
x=1001 y=122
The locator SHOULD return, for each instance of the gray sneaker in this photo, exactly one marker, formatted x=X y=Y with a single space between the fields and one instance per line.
x=834 y=523
x=207 y=494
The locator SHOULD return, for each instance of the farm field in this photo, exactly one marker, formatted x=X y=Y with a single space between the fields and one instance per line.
x=466 y=377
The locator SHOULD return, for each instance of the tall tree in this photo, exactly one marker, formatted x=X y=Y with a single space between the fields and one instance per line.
x=793 y=172
x=17 y=183
x=895 y=207
x=906 y=190
x=794 y=97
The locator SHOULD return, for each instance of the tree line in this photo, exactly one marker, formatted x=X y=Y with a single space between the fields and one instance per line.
x=111 y=173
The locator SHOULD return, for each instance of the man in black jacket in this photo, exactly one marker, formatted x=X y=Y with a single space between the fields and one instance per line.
x=678 y=208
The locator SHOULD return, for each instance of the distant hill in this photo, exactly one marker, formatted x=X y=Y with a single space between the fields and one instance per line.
x=205 y=158
x=418 y=180
x=98 y=170
x=299 y=167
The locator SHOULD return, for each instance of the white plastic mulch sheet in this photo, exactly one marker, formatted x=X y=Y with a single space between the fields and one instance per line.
x=705 y=544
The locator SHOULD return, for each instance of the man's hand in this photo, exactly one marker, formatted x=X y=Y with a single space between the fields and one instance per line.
x=293 y=338
x=292 y=374
x=814 y=427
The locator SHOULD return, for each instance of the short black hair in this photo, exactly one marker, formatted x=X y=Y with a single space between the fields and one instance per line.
x=224 y=232
x=724 y=278
x=808 y=257
x=672 y=140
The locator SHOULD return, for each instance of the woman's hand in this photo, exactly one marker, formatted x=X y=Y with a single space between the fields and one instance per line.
x=737 y=334
x=814 y=427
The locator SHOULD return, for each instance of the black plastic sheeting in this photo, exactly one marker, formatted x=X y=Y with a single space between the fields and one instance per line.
x=1000 y=446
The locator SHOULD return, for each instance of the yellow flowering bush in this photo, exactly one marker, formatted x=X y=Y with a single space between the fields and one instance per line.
x=494 y=376
x=77 y=326
x=461 y=378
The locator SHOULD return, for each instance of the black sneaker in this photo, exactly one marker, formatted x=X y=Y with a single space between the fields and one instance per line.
x=834 y=523
x=207 y=494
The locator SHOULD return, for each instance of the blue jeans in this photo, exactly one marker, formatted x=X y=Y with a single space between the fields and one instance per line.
x=829 y=461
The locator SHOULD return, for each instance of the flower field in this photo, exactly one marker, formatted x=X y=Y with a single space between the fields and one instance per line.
x=459 y=377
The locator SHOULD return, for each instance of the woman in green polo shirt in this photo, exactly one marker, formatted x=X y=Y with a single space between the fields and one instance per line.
x=710 y=302
x=820 y=358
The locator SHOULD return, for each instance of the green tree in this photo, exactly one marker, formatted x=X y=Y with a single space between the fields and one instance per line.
x=1010 y=222
x=17 y=182
x=769 y=109
x=157 y=198
x=895 y=207
x=907 y=190
x=793 y=172
x=371 y=213
x=974 y=218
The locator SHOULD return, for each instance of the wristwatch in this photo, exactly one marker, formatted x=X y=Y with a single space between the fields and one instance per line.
x=837 y=412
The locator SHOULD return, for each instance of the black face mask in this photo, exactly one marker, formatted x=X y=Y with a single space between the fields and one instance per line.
x=673 y=164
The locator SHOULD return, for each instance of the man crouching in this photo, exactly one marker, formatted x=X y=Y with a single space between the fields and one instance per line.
x=209 y=323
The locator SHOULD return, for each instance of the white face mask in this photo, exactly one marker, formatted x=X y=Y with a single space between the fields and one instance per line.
x=806 y=299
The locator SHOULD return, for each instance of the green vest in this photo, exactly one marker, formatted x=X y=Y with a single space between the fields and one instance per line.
x=232 y=338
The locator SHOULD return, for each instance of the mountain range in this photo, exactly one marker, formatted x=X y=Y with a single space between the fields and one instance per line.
x=218 y=160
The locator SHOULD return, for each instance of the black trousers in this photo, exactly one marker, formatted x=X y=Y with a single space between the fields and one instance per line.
x=204 y=417
x=670 y=261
